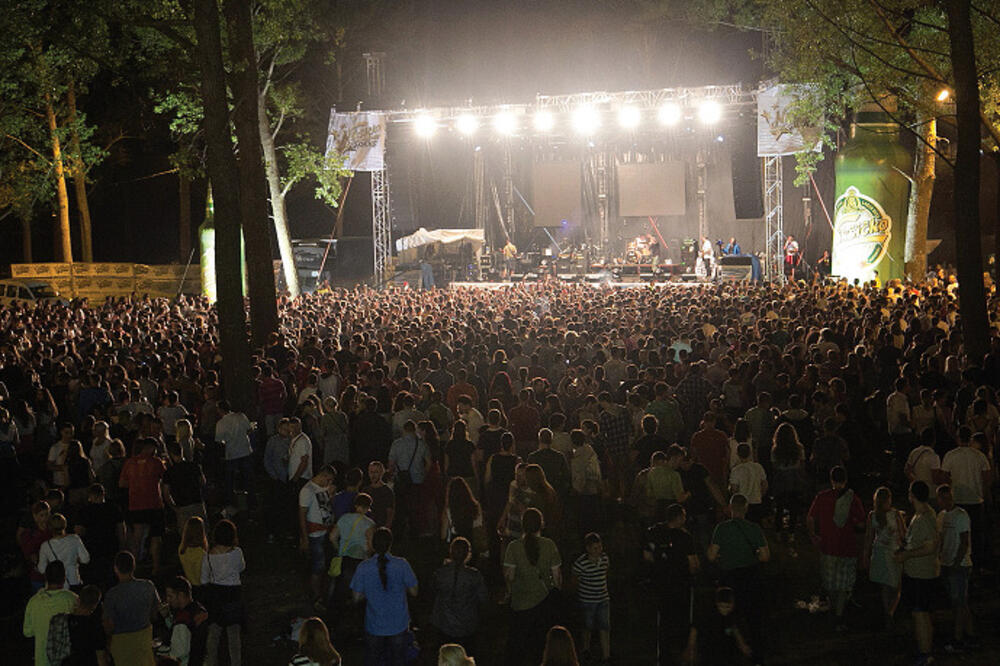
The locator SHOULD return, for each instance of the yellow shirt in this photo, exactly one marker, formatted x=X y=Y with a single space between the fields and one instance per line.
x=191 y=563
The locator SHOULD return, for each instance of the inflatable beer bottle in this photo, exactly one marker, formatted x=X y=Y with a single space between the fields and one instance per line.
x=870 y=208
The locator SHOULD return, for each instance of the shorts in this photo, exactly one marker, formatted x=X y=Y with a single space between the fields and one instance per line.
x=918 y=593
x=956 y=582
x=152 y=517
x=596 y=616
x=317 y=554
x=838 y=574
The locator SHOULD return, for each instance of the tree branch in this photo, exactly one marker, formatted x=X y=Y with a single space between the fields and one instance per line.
x=26 y=146
x=921 y=62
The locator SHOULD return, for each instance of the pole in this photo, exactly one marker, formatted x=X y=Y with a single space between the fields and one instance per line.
x=180 y=287
x=337 y=224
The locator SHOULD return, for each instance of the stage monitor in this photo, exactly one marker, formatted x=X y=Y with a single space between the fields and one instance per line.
x=651 y=190
x=557 y=198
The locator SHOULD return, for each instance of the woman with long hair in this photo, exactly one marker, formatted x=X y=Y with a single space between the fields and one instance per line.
x=788 y=480
x=191 y=448
x=532 y=570
x=502 y=389
x=221 y=570
x=315 y=648
x=883 y=538
x=453 y=654
x=458 y=454
x=463 y=517
x=543 y=495
x=431 y=491
x=384 y=581
x=192 y=549
x=560 y=650
x=81 y=473
x=459 y=593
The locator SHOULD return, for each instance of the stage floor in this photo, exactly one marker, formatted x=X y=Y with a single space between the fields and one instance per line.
x=596 y=285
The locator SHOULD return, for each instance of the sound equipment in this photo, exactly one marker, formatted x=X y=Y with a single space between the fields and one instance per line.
x=738 y=268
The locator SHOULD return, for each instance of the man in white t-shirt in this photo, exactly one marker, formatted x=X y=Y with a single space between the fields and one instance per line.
x=897 y=411
x=968 y=471
x=233 y=431
x=300 y=458
x=923 y=461
x=315 y=523
x=955 y=554
x=56 y=460
x=748 y=478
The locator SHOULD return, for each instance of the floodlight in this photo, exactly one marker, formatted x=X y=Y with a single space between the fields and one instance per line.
x=544 y=121
x=629 y=117
x=710 y=112
x=586 y=119
x=424 y=125
x=505 y=123
x=669 y=114
x=467 y=124
x=943 y=95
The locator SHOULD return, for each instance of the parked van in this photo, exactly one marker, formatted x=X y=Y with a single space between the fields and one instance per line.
x=29 y=291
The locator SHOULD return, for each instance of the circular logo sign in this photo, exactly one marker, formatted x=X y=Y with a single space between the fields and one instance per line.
x=862 y=231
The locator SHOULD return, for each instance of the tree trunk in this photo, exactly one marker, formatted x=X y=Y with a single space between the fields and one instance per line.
x=184 y=232
x=278 y=211
x=996 y=229
x=921 y=192
x=975 y=326
x=79 y=179
x=222 y=171
x=26 y=238
x=64 y=241
x=253 y=203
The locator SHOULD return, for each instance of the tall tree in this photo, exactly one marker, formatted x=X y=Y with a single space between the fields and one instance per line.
x=223 y=173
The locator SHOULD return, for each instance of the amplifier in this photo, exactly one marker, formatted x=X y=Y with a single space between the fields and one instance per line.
x=737 y=260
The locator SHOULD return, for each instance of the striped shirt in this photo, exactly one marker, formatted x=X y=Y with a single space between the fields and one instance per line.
x=593 y=579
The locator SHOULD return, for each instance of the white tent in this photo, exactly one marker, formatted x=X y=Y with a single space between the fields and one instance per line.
x=410 y=248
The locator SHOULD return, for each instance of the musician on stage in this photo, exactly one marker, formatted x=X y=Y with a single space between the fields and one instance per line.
x=792 y=255
x=509 y=253
x=732 y=249
x=708 y=256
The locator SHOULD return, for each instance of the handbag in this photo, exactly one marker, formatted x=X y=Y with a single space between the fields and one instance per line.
x=403 y=479
x=337 y=561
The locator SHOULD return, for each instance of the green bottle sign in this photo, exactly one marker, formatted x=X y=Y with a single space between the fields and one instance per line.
x=869 y=224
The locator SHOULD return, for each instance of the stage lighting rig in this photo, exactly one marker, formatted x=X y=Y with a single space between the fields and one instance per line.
x=629 y=116
x=505 y=123
x=586 y=119
x=709 y=112
x=544 y=121
x=467 y=124
x=424 y=125
x=669 y=114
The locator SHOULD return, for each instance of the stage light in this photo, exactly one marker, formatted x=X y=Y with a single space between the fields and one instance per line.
x=669 y=114
x=467 y=124
x=544 y=121
x=710 y=112
x=505 y=123
x=425 y=126
x=586 y=119
x=629 y=117
x=943 y=95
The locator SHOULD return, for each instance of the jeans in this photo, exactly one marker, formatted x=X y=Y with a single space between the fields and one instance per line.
x=979 y=534
x=244 y=468
x=386 y=650
x=233 y=640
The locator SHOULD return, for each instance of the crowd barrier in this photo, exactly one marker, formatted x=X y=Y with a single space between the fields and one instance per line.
x=99 y=281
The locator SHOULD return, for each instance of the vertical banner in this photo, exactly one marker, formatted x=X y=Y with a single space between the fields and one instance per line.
x=360 y=138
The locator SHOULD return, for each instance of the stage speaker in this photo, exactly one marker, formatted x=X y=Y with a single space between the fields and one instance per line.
x=651 y=190
x=557 y=194
x=747 y=188
x=738 y=269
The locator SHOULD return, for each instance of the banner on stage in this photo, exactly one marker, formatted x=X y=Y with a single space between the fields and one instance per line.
x=360 y=138
x=778 y=133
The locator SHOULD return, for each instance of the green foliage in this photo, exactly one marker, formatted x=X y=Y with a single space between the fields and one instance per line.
x=305 y=162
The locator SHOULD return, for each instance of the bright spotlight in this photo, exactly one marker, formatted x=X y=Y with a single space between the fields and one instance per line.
x=943 y=95
x=544 y=121
x=710 y=112
x=586 y=120
x=505 y=123
x=669 y=114
x=425 y=126
x=629 y=117
x=467 y=124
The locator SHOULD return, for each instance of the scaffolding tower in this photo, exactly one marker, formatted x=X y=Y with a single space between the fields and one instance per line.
x=381 y=226
x=774 y=220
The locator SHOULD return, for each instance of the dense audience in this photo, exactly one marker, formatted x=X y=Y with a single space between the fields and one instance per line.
x=520 y=426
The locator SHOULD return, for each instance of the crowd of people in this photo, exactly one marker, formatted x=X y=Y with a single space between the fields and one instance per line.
x=511 y=430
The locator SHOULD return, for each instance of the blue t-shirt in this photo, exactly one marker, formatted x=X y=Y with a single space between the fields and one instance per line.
x=343 y=502
x=386 y=613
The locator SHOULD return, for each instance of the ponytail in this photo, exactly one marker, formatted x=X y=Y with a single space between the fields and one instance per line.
x=381 y=542
x=458 y=552
x=531 y=523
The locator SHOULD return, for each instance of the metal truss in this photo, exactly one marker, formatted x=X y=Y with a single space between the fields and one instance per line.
x=774 y=220
x=381 y=225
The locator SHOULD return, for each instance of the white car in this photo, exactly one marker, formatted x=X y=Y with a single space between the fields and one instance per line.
x=32 y=292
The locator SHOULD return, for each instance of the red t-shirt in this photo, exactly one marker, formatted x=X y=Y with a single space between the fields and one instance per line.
x=833 y=540
x=711 y=449
x=142 y=474
x=524 y=423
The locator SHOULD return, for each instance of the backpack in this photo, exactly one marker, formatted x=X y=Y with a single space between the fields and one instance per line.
x=57 y=645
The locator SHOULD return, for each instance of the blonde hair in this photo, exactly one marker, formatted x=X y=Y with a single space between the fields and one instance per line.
x=186 y=425
x=193 y=535
x=314 y=643
x=453 y=654
x=57 y=523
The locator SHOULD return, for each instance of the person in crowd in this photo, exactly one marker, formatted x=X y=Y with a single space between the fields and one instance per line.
x=789 y=483
x=590 y=571
x=586 y=479
x=187 y=622
x=532 y=569
x=130 y=607
x=315 y=523
x=65 y=548
x=553 y=463
x=384 y=582
x=31 y=534
x=383 y=496
x=883 y=537
x=193 y=548
x=835 y=518
x=459 y=594
x=143 y=474
x=409 y=462
x=48 y=602
x=453 y=654
x=101 y=525
x=559 y=648
x=718 y=637
x=670 y=549
x=458 y=455
x=277 y=489
x=968 y=471
x=233 y=430
x=919 y=558
x=315 y=648
x=748 y=478
x=182 y=486
x=351 y=538
x=463 y=517
x=88 y=643
x=221 y=573
x=954 y=527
